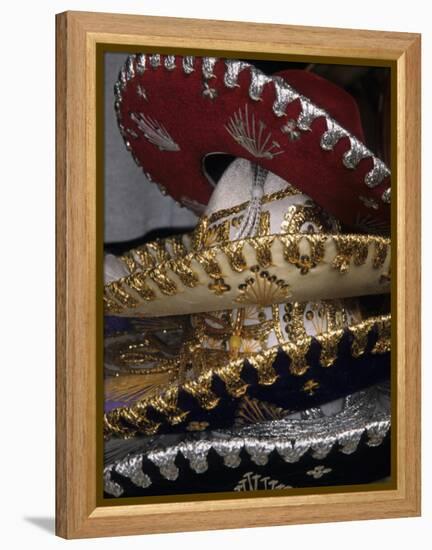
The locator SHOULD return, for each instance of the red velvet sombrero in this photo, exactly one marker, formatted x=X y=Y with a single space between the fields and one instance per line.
x=174 y=111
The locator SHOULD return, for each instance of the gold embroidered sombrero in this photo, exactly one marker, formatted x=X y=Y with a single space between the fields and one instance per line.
x=264 y=282
x=296 y=254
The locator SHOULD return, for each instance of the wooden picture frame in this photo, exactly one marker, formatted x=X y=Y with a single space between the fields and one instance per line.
x=78 y=510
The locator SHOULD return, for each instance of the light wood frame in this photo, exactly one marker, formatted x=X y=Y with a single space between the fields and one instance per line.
x=77 y=511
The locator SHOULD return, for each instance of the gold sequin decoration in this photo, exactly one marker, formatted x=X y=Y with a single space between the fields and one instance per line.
x=271 y=197
x=262 y=289
x=130 y=262
x=235 y=256
x=121 y=295
x=276 y=323
x=329 y=347
x=138 y=283
x=201 y=390
x=298 y=215
x=352 y=248
x=199 y=233
x=310 y=387
x=111 y=305
x=383 y=343
x=297 y=354
x=231 y=376
x=380 y=254
x=263 y=251
x=166 y=286
x=145 y=258
x=207 y=260
x=304 y=262
x=360 y=340
x=183 y=270
x=168 y=406
x=177 y=246
x=264 y=224
x=159 y=250
x=263 y=364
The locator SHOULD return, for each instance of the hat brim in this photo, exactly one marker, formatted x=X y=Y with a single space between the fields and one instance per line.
x=263 y=270
x=295 y=376
x=349 y=447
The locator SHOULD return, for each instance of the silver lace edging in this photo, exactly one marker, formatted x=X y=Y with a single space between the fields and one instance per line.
x=365 y=413
x=284 y=95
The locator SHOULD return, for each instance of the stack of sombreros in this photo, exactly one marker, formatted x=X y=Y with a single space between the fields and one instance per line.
x=253 y=352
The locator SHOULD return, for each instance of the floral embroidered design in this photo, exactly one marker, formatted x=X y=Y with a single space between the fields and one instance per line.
x=252 y=136
x=319 y=471
x=291 y=130
x=262 y=289
x=154 y=132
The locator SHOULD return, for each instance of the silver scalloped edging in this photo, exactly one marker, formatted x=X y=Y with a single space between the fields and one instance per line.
x=188 y=64
x=170 y=62
x=366 y=413
x=284 y=95
x=386 y=196
x=208 y=64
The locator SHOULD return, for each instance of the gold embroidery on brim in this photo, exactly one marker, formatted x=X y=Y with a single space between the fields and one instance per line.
x=201 y=390
x=304 y=262
x=177 y=246
x=329 y=347
x=138 y=283
x=219 y=287
x=111 y=306
x=167 y=404
x=234 y=253
x=380 y=253
x=219 y=233
x=383 y=343
x=199 y=233
x=262 y=289
x=231 y=377
x=264 y=224
x=122 y=295
x=293 y=317
x=184 y=272
x=263 y=251
x=297 y=354
x=159 y=250
x=310 y=387
x=207 y=260
x=121 y=422
x=164 y=283
x=113 y=427
x=263 y=364
x=299 y=214
x=360 y=333
x=276 y=196
x=145 y=259
x=276 y=323
x=130 y=262
x=139 y=419
x=353 y=248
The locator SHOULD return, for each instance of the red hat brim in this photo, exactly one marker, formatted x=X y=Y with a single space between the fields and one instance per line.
x=174 y=111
